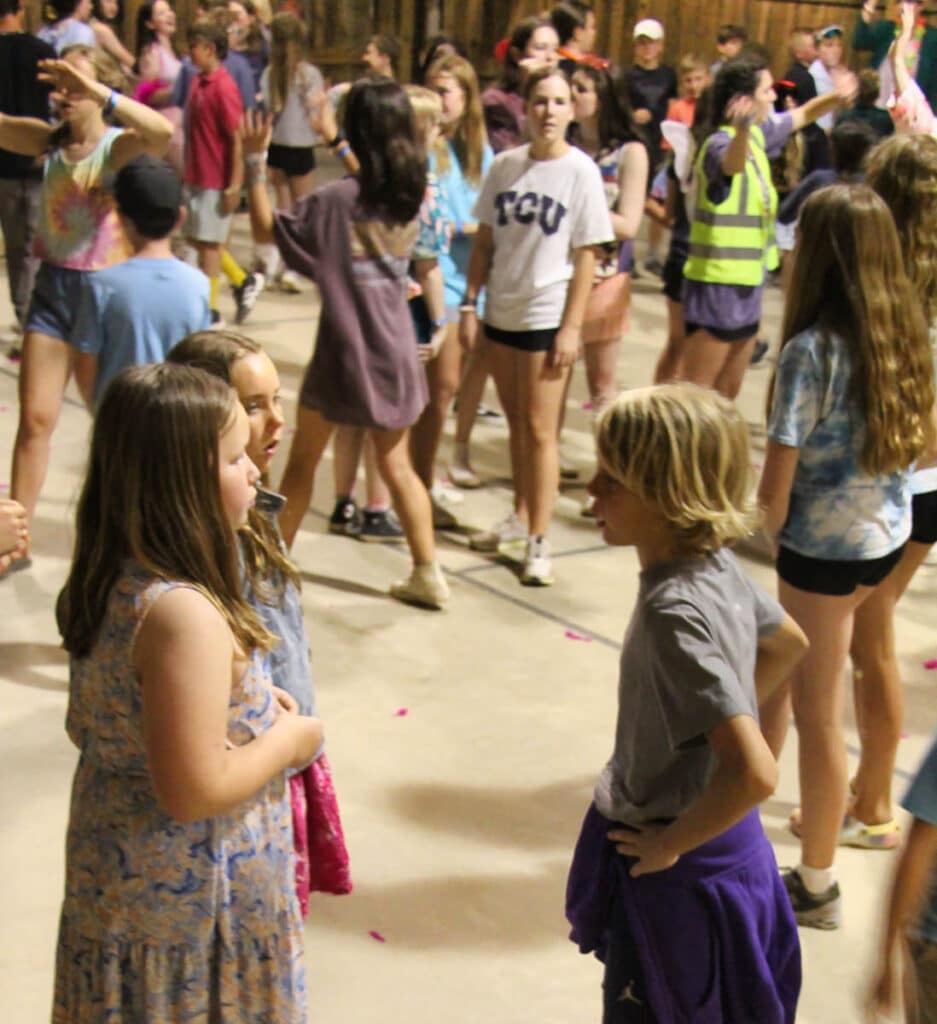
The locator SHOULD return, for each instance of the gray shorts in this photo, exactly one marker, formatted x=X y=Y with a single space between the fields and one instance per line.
x=206 y=220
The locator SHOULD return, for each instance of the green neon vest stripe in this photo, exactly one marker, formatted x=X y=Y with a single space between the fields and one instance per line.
x=733 y=243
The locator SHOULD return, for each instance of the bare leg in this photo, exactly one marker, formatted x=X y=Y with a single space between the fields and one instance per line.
x=443 y=377
x=541 y=395
x=309 y=442
x=601 y=358
x=818 y=696
x=346 y=453
x=877 y=689
x=410 y=497
x=46 y=367
x=477 y=368
x=712 y=363
x=377 y=492
x=671 y=358
x=505 y=368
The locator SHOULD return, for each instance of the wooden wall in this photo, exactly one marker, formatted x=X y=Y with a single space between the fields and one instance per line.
x=339 y=29
x=690 y=25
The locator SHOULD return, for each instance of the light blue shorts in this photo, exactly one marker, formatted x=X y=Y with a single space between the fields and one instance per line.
x=206 y=220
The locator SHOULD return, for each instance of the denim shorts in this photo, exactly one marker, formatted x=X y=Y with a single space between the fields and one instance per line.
x=56 y=297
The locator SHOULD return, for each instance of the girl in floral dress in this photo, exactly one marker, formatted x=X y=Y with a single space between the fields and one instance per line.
x=179 y=897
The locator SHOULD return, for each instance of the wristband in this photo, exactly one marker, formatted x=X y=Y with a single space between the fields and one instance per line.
x=468 y=307
x=253 y=160
x=336 y=141
x=468 y=300
x=110 y=103
x=439 y=322
x=343 y=150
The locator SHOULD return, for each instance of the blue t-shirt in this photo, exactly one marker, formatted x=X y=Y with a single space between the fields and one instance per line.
x=457 y=200
x=837 y=511
x=133 y=313
x=921 y=802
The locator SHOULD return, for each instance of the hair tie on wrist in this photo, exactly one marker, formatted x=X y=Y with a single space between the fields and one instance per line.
x=110 y=103
x=336 y=141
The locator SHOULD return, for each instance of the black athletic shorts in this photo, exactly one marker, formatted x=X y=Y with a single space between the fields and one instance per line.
x=924 y=518
x=835 y=578
x=293 y=161
x=526 y=341
x=727 y=334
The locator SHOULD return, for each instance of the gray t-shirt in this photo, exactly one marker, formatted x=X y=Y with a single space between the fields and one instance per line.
x=687 y=665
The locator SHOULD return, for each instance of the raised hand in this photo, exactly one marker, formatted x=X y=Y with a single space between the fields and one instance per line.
x=254 y=132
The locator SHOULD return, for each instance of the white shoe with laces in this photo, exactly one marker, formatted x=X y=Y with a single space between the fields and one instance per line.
x=510 y=530
x=538 y=566
x=425 y=587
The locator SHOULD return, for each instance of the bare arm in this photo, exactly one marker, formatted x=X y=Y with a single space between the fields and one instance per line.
x=746 y=773
x=184 y=655
x=430 y=279
x=778 y=654
x=479 y=268
x=27 y=136
x=899 y=51
x=910 y=887
x=568 y=338
x=254 y=136
x=147 y=131
x=774 y=490
x=108 y=41
x=632 y=189
x=812 y=110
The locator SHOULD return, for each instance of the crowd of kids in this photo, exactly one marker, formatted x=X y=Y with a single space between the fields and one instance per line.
x=476 y=232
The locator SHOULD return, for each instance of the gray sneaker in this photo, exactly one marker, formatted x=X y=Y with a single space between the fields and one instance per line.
x=380 y=525
x=821 y=910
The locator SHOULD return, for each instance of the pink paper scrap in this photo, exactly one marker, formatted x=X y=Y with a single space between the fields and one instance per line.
x=5 y=408
x=905 y=735
x=4 y=487
x=931 y=664
x=401 y=713
x=377 y=936
x=572 y=635
x=587 y=405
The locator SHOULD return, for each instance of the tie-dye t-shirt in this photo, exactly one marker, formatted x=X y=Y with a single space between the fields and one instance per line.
x=78 y=224
x=837 y=511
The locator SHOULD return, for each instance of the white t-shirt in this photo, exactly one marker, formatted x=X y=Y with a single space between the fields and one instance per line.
x=291 y=126
x=539 y=211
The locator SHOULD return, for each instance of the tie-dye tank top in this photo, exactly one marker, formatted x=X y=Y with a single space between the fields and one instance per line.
x=78 y=223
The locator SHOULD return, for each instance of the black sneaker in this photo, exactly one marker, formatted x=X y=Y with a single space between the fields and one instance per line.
x=346 y=519
x=382 y=525
x=245 y=295
x=758 y=352
x=822 y=910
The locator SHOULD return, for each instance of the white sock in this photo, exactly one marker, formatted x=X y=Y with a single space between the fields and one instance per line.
x=816 y=880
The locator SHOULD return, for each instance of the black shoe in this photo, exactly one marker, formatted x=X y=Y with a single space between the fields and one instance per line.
x=655 y=267
x=381 y=525
x=758 y=352
x=245 y=295
x=821 y=910
x=346 y=519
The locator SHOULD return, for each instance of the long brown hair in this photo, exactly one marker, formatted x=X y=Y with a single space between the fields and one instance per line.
x=266 y=565
x=903 y=170
x=287 y=48
x=849 y=279
x=469 y=137
x=151 y=494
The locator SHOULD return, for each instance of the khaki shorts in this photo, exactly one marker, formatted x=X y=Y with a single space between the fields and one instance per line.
x=206 y=220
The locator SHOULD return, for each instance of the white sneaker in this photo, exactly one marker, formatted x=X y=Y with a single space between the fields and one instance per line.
x=289 y=282
x=538 y=566
x=425 y=586
x=510 y=530
x=460 y=469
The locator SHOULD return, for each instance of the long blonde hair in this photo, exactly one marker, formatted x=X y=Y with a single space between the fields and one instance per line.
x=468 y=137
x=266 y=565
x=288 y=40
x=903 y=171
x=152 y=494
x=685 y=449
x=849 y=279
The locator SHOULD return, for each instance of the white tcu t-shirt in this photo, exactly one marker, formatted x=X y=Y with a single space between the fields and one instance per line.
x=539 y=211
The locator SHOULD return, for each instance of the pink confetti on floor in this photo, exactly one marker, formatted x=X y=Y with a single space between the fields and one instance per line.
x=587 y=405
x=401 y=713
x=377 y=936
x=905 y=735
x=573 y=635
x=289 y=431
x=5 y=408
x=4 y=487
x=931 y=664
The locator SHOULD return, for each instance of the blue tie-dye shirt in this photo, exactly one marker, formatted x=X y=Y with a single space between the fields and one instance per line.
x=837 y=511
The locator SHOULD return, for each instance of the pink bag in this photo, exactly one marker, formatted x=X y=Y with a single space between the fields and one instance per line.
x=322 y=863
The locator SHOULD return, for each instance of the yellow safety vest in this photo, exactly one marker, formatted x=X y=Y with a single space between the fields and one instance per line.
x=733 y=243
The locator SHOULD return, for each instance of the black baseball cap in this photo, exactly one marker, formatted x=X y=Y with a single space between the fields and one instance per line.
x=148 y=193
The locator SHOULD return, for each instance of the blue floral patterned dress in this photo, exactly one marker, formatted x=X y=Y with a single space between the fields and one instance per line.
x=164 y=922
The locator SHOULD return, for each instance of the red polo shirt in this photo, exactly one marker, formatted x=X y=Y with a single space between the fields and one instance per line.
x=213 y=111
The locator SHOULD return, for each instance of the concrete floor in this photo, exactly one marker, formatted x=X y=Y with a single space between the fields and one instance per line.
x=460 y=814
